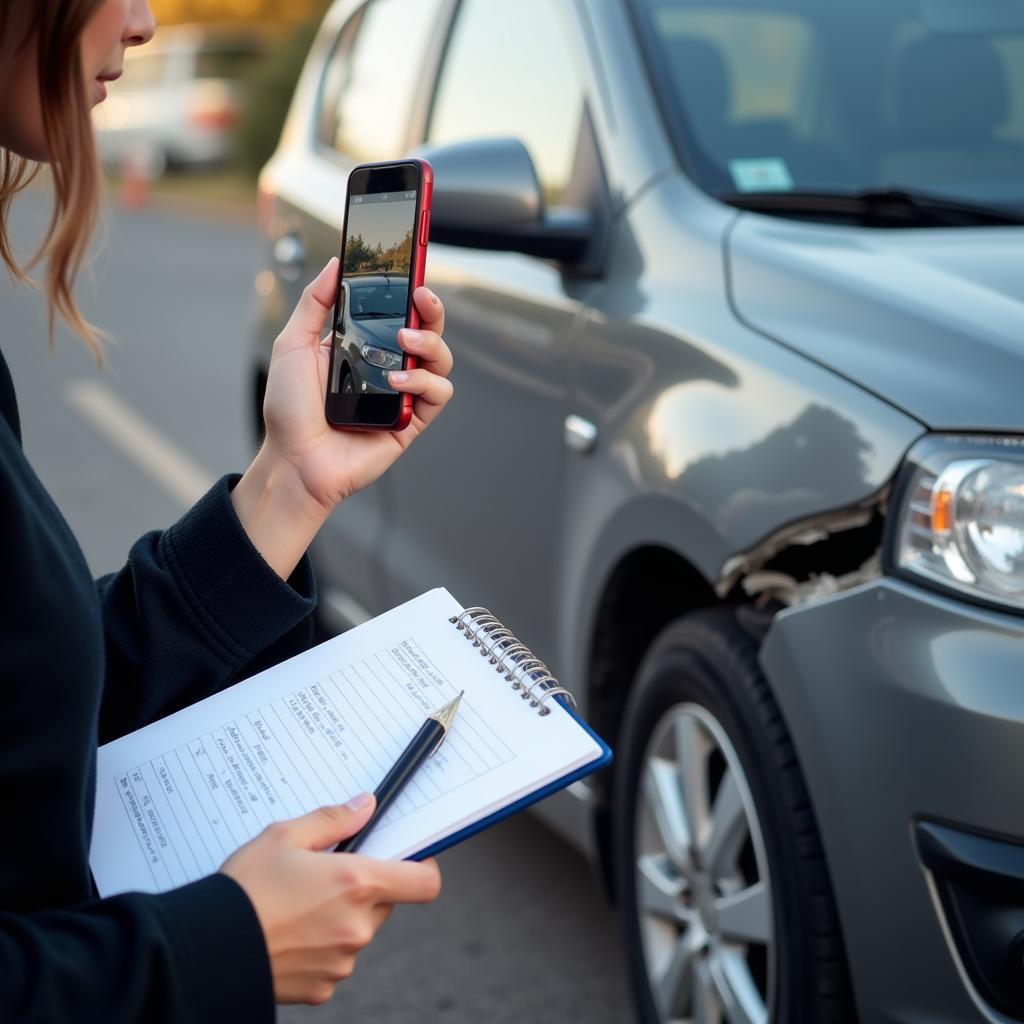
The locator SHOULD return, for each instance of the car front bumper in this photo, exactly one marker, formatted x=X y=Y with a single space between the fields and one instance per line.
x=907 y=709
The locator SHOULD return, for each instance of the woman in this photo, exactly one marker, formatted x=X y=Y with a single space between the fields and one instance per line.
x=82 y=662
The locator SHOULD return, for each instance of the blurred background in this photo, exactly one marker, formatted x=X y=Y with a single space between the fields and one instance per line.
x=201 y=107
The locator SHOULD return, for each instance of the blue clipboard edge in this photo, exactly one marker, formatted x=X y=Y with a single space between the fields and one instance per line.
x=603 y=759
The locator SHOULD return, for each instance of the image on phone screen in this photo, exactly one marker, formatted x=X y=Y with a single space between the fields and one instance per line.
x=374 y=293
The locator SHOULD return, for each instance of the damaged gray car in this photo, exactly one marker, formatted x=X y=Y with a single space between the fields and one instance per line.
x=736 y=294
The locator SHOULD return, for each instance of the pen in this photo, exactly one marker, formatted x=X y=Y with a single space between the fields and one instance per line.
x=431 y=735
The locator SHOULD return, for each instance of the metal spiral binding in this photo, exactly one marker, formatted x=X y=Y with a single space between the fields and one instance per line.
x=515 y=650
x=526 y=672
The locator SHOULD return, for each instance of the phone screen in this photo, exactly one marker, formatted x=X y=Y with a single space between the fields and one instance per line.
x=374 y=295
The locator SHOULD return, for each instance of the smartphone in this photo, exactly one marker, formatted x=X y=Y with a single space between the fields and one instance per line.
x=383 y=257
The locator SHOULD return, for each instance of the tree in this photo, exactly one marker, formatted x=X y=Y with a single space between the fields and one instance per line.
x=270 y=12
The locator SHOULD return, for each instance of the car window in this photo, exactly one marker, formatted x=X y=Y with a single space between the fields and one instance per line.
x=766 y=55
x=827 y=96
x=372 y=78
x=334 y=79
x=740 y=75
x=508 y=70
x=381 y=299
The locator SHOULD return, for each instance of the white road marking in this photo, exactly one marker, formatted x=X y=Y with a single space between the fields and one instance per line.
x=155 y=454
x=346 y=606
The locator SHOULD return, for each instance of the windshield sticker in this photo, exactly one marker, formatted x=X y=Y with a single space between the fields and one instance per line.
x=769 y=174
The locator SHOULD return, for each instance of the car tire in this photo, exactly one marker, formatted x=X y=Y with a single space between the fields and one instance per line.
x=347 y=387
x=723 y=889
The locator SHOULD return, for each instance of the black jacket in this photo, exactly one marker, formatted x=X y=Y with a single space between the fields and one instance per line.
x=84 y=661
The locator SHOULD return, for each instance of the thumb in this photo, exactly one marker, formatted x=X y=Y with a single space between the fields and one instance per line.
x=322 y=828
x=315 y=304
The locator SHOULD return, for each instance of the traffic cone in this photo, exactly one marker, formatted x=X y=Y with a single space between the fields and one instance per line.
x=136 y=175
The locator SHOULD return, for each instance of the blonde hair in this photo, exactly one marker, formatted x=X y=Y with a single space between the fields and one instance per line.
x=55 y=28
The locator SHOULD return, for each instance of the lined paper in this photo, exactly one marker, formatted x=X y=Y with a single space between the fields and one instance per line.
x=176 y=798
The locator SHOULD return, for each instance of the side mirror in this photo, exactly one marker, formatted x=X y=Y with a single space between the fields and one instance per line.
x=487 y=196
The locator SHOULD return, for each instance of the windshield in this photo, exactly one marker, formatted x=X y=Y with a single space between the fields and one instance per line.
x=834 y=96
x=383 y=299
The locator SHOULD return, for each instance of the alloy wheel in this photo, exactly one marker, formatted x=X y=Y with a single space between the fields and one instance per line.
x=703 y=889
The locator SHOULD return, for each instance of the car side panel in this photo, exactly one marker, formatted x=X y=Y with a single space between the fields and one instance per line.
x=477 y=500
x=710 y=437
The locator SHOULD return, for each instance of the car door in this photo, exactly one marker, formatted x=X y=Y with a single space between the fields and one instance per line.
x=360 y=112
x=475 y=505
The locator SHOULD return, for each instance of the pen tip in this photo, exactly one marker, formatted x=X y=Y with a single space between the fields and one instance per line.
x=446 y=715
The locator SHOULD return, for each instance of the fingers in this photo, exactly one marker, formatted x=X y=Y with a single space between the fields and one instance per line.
x=429 y=348
x=327 y=826
x=432 y=391
x=339 y=962
x=431 y=310
x=316 y=302
x=405 y=881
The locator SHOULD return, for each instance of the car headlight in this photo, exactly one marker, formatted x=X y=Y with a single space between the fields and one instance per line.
x=381 y=357
x=961 y=522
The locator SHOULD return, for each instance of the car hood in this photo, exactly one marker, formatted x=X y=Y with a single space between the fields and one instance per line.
x=382 y=333
x=931 y=320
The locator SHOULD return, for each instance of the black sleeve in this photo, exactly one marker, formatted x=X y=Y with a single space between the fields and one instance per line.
x=195 y=954
x=194 y=607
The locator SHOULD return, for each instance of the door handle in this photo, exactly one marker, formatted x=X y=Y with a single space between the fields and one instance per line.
x=580 y=434
x=290 y=257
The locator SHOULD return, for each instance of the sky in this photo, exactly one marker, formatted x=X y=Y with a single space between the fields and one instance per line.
x=386 y=223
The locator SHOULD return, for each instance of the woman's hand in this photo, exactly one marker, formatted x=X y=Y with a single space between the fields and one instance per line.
x=307 y=467
x=319 y=909
x=331 y=463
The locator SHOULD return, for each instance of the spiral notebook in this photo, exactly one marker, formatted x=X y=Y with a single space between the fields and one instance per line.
x=176 y=798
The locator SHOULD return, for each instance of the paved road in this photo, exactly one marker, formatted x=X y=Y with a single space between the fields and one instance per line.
x=521 y=932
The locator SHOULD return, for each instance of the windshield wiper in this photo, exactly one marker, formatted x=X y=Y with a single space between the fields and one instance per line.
x=887 y=208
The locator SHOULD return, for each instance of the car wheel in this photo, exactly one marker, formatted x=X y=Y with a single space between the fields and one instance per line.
x=346 y=382
x=723 y=888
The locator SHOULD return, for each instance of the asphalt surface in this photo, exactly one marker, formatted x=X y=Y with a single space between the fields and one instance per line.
x=522 y=931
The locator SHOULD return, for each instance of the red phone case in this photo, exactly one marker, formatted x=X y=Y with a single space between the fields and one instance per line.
x=416 y=272
x=417 y=269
